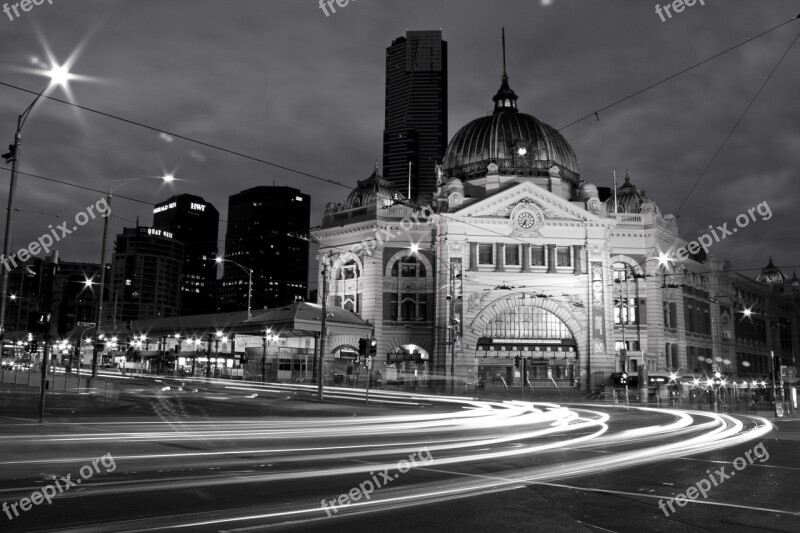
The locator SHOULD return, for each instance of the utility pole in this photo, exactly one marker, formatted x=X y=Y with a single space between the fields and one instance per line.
x=99 y=317
x=264 y=359
x=324 y=319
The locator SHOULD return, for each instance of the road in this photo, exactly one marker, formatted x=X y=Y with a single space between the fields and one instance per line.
x=220 y=456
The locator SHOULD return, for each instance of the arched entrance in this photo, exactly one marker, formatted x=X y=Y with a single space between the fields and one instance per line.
x=526 y=336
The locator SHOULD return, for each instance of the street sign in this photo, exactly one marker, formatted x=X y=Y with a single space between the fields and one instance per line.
x=789 y=374
x=369 y=362
x=87 y=324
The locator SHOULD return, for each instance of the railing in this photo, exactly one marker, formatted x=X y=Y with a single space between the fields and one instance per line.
x=62 y=382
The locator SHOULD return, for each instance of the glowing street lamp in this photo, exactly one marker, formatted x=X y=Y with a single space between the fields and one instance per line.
x=59 y=76
x=249 y=271
x=167 y=178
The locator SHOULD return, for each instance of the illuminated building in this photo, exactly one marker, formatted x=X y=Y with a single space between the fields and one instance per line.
x=194 y=222
x=415 y=129
x=518 y=256
x=268 y=233
x=146 y=272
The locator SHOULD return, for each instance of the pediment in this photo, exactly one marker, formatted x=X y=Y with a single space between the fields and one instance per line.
x=529 y=198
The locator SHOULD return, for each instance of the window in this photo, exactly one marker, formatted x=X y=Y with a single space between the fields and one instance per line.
x=537 y=255
x=413 y=307
x=485 y=254
x=512 y=255
x=563 y=256
x=625 y=311
x=409 y=267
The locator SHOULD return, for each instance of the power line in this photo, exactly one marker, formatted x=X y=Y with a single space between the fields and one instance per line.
x=176 y=135
x=668 y=78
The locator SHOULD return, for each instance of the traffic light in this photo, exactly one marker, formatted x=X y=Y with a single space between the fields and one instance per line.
x=11 y=156
x=362 y=346
x=373 y=346
x=516 y=361
x=717 y=378
x=623 y=379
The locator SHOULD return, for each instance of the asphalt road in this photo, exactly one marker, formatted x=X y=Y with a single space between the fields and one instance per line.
x=225 y=456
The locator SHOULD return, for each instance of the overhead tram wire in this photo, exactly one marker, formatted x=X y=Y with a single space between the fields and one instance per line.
x=672 y=76
x=738 y=121
x=333 y=182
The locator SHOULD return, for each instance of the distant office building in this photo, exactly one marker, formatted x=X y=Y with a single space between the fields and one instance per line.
x=266 y=230
x=146 y=276
x=194 y=222
x=415 y=128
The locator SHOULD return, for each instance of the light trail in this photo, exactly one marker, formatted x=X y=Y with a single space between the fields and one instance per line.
x=520 y=443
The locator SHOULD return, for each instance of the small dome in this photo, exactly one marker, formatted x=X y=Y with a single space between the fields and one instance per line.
x=631 y=200
x=372 y=189
x=771 y=275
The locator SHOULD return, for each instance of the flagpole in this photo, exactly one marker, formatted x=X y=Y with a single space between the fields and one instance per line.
x=615 y=191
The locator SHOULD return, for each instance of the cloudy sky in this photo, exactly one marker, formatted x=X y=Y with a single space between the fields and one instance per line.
x=280 y=81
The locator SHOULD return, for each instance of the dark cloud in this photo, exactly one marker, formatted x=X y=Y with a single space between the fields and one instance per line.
x=280 y=81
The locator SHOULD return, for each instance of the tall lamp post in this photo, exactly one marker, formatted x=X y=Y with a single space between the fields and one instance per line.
x=59 y=76
x=249 y=279
x=168 y=178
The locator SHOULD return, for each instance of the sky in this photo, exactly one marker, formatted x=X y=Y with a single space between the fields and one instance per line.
x=280 y=81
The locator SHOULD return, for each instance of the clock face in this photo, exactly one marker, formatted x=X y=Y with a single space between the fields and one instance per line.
x=525 y=220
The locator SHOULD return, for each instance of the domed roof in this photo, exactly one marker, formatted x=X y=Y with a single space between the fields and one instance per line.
x=631 y=200
x=771 y=275
x=518 y=143
x=370 y=190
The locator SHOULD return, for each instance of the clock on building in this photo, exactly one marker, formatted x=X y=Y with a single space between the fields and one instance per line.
x=526 y=219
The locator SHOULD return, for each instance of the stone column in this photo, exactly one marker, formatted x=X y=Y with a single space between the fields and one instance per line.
x=578 y=266
x=473 y=257
x=500 y=258
x=551 y=251
x=526 y=257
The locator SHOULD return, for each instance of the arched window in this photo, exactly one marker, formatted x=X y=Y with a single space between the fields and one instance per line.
x=409 y=267
x=410 y=300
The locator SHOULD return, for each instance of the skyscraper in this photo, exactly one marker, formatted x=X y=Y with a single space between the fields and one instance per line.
x=415 y=128
x=146 y=276
x=194 y=222
x=266 y=226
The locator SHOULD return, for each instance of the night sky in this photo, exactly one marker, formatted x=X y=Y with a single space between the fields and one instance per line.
x=280 y=81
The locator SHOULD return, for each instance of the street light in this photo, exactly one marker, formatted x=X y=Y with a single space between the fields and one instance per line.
x=168 y=178
x=249 y=278
x=59 y=76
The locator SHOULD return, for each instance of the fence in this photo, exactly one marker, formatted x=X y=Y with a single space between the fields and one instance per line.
x=83 y=384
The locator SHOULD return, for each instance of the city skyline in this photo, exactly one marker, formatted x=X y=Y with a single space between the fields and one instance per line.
x=665 y=136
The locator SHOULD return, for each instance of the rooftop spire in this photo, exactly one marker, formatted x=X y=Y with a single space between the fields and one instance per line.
x=504 y=54
x=505 y=99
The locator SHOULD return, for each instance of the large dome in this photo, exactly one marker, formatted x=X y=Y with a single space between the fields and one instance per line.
x=518 y=143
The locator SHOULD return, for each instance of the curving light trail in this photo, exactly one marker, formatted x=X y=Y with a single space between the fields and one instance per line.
x=517 y=443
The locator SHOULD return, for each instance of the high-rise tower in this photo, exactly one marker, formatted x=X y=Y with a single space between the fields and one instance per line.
x=195 y=223
x=415 y=134
x=267 y=232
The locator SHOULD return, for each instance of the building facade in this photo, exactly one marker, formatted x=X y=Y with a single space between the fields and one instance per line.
x=268 y=233
x=415 y=131
x=147 y=269
x=518 y=263
x=194 y=222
